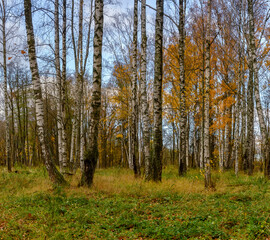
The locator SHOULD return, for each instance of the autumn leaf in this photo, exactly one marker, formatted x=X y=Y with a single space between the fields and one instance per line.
x=23 y=52
x=119 y=135
x=9 y=58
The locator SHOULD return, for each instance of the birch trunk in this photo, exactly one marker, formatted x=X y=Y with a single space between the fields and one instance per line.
x=61 y=141
x=54 y=174
x=262 y=122
x=243 y=124
x=183 y=116
x=122 y=144
x=72 y=141
x=201 y=143
x=81 y=137
x=238 y=100
x=91 y=154
x=80 y=98
x=187 y=142
x=157 y=93
x=227 y=144
x=237 y=119
x=145 y=106
x=237 y=124
x=8 y=142
x=130 y=162
x=173 y=150
x=250 y=99
x=58 y=80
x=134 y=126
x=208 y=181
x=63 y=88
x=77 y=46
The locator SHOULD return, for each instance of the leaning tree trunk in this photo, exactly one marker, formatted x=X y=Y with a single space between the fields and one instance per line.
x=145 y=107
x=8 y=142
x=157 y=93
x=183 y=116
x=134 y=118
x=91 y=153
x=54 y=174
x=208 y=181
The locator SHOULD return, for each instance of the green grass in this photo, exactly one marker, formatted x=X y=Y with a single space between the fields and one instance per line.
x=121 y=207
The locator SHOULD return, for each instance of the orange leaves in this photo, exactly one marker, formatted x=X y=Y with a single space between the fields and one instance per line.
x=122 y=74
x=21 y=51
x=171 y=77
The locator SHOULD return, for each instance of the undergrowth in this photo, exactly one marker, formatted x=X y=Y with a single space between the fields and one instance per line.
x=118 y=206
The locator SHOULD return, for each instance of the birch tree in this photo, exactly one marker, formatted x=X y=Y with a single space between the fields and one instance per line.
x=91 y=153
x=250 y=92
x=208 y=181
x=80 y=60
x=54 y=174
x=144 y=102
x=239 y=84
x=134 y=120
x=4 y=42
x=262 y=123
x=157 y=93
x=62 y=150
x=183 y=115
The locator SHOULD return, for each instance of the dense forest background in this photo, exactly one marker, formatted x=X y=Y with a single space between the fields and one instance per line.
x=88 y=84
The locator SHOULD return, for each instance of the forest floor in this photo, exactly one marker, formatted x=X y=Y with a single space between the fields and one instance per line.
x=121 y=207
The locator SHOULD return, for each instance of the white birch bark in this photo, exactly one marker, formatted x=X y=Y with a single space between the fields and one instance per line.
x=144 y=101
x=60 y=124
x=262 y=122
x=183 y=116
x=202 y=144
x=250 y=93
x=130 y=162
x=157 y=93
x=91 y=153
x=134 y=101
x=64 y=96
x=238 y=99
x=208 y=181
x=54 y=174
x=7 y=132
x=71 y=157
x=187 y=142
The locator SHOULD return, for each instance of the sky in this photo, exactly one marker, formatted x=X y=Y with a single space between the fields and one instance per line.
x=130 y=3
x=109 y=10
x=125 y=4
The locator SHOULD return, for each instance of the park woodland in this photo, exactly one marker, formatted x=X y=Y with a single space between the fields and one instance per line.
x=103 y=97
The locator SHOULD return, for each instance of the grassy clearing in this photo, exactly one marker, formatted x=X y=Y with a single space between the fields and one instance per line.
x=121 y=207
